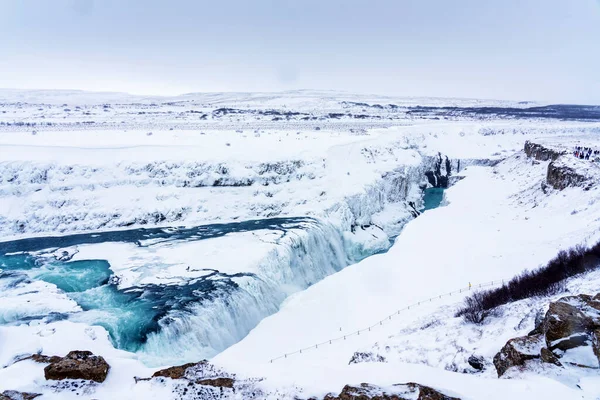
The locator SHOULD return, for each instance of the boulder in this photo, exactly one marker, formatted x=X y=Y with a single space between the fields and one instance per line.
x=517 y=351
x=360 y=357
x=177 y=372
x=78 y=365
x=200 y=373
x=14 y=395
x=572 y=322
x=476 y=362
x=568 y=334
x=408 y=391
x=564 y=326
x=548 y=357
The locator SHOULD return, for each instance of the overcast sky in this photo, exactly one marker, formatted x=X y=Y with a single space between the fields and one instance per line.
x=546 y=50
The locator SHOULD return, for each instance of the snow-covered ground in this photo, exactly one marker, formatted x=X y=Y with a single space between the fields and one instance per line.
x=354 y=176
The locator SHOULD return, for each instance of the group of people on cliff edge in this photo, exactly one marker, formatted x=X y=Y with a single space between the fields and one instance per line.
x=585 y=153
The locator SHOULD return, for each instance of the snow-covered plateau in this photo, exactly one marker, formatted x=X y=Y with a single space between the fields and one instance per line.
x=241 y=228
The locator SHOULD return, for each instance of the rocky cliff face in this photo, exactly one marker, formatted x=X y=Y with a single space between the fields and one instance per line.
x=541 y=153
x=562 y=171
x=439 y=175
x=561 y=176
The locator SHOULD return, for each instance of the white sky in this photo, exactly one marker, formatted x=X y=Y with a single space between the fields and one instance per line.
x=546 y=50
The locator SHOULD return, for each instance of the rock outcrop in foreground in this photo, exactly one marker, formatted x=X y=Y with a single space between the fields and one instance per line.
x=201 y=373
x=408 y=391
x=569 y=333
x=205 y=381
x=77 y=364
x=14 y=395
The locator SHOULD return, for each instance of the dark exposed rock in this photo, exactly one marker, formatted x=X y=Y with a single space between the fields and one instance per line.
x=217 y=382
x=40 y=358
x=563 y=326
x=200 y=373
x=560 y=176
x=14 y=395
x=78 y=365
x=360 y=357
x=541 y=153
x=476 y=362
x=408 y=391
x=438 y=178
x=517 y=351
x=177 y=372
x=595 y=334
x=548 y=357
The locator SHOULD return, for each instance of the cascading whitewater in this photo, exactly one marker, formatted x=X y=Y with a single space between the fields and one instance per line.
x=205 y=328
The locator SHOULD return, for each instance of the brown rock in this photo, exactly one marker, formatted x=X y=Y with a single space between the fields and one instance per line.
x=42 y=359
x=548 y=357
x=217 y=382
x=177 y=372
x=517 y=351
x=562 y=320
x=569 y=322
x=427 y=393
x=201 y=373
x=14 y=395
x=408 y=391
x=78 y=365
